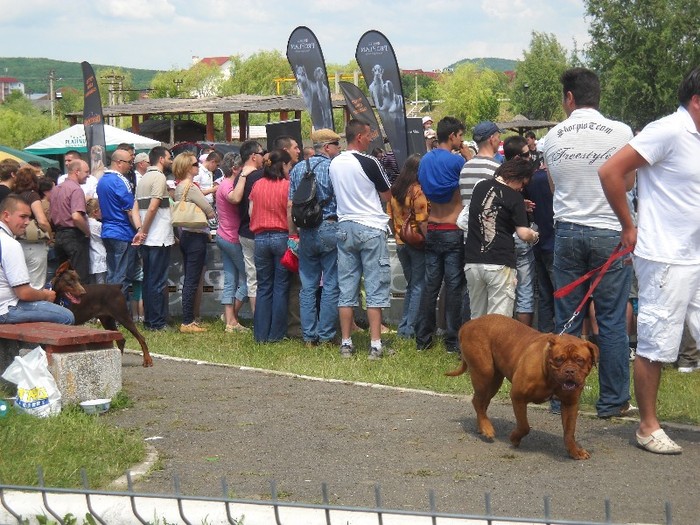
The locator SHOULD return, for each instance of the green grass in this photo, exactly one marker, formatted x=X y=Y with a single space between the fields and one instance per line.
x=678 y=396
x=64 y=444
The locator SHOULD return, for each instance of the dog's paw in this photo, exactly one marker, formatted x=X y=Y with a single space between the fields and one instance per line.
x=579 y=453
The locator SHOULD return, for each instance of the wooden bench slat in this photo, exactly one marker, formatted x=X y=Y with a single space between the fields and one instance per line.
x=58 y=335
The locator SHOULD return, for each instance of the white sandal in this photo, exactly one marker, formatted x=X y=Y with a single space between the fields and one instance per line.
x=658 y=443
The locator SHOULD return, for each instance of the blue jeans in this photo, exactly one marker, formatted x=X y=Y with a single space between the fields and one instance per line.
x=413 y=265
x=525 y=288
x=272 y=302
x=545 y=287
x=235 y=286
x=578 y=249
x=444 y=259
x=37 y=311
x=194 y=256
x=318 y=256
x=156 y=260
x=363 y=252
x=122 y=264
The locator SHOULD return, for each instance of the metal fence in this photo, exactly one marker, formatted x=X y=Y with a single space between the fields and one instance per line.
x=110 y=507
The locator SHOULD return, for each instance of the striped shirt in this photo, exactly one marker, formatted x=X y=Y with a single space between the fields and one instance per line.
x=475 y=170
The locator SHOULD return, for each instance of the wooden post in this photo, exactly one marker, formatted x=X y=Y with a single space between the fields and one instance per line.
x=284 y=115
x=135 y=123
x=243 y=125
x=227 y=127
x=210 y=127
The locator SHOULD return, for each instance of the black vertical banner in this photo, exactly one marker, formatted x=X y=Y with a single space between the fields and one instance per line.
x=377 y=61
x=361 y=109
x=93 y=122
x=306 y=59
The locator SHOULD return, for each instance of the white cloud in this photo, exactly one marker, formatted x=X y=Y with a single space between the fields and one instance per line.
x=135 y=9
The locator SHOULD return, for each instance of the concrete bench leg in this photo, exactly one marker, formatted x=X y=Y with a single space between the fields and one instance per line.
x=91 y=374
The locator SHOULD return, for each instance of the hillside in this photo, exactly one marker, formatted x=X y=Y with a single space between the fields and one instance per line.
x=34 y=72
x=496 y=64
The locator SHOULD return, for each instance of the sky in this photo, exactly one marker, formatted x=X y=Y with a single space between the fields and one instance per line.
x=166 y=34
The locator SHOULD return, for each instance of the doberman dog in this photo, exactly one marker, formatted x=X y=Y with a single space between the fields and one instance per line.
x=103 y=301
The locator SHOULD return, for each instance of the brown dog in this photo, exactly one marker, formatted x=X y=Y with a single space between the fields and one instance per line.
x=104 y=301
x=537 y=365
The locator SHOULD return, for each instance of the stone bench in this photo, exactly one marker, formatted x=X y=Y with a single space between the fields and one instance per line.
x=82 y=360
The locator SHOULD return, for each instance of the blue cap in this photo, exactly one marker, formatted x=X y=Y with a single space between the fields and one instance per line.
x=484 y=130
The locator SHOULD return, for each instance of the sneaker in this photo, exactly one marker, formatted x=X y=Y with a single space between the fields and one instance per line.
x=192 y=328
x=238 y=327
x=375 y=354
x=346 y=350
x=633 y=353
x=627 y=410
x=688 y=369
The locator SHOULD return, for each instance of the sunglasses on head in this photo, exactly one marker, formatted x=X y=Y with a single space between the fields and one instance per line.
x=334 y=143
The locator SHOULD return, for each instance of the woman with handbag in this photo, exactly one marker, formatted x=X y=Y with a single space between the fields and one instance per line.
x=268 y=220
x=409 y=210
x=191 y=211
x=35 y=240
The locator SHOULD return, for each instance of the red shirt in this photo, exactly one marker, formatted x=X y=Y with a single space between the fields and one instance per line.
x=269 y=198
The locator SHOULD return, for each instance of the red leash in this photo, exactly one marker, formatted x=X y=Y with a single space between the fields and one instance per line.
x=566 y=290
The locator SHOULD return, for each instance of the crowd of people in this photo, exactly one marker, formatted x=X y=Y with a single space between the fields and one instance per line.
x=485 y=233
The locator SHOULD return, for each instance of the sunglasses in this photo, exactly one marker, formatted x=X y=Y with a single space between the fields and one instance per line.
x=524 y=155
x=195 y=164
x=334 y=143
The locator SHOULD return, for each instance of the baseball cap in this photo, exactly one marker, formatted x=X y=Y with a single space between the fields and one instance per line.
x=427 y=118
x=484 y=130
x=324 y=136
x=141 y=157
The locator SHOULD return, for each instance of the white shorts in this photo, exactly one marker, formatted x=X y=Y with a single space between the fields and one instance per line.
x=668 y=295
x=251 y=277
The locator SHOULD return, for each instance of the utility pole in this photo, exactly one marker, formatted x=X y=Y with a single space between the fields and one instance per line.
x=52 y=92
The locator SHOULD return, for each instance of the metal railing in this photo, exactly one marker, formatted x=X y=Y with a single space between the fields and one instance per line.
x=226 y=508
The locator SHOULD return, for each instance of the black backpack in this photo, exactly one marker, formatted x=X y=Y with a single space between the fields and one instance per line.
x=307 y=211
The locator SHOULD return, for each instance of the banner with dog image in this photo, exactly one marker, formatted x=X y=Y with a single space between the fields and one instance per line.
x=306 y=59
x=360 y=109
x=93 y=122
x=377 y=61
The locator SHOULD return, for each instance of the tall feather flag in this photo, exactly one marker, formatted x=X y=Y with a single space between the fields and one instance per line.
x=378 y=64
x=361 y=109
x=93 y=122
x=306 y=59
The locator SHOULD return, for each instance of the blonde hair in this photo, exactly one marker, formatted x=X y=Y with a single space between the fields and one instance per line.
x=91 y=206
x=182 y=164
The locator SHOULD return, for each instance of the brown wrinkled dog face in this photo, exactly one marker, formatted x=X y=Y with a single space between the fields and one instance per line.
x=570 y=360
x=66 y=283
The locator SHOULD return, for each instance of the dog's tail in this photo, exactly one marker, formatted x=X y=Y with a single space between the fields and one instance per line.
x=460 y=371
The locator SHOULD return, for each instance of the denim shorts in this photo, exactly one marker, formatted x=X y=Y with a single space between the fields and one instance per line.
x=363 y=251
x=525 y=288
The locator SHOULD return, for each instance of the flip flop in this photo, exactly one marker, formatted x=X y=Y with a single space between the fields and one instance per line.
x=658 y=443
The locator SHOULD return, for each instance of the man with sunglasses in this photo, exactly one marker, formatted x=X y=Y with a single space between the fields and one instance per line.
x=121 y=221
x=318 y=251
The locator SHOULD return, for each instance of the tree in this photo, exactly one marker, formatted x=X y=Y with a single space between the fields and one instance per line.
x=21 y=123
x=256 y=75
x=536 y=90
x=470 y=94
x=641 y=50
x=200 y=80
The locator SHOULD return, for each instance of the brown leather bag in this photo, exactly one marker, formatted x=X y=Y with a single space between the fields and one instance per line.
x=408 y=234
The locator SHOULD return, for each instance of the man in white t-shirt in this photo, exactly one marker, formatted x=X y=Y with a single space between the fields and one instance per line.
x=587 y=231
x=90 y=184
x=205 y=178
x=360 y=185
x=19 y=302
x=666 y=245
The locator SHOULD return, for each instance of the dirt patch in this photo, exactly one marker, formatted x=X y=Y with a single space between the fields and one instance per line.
x=251 y=427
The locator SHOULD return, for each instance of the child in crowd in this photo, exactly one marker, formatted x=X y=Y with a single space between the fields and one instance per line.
x=98 y=254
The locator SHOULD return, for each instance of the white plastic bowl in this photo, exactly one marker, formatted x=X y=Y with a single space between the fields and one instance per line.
x=95 y=406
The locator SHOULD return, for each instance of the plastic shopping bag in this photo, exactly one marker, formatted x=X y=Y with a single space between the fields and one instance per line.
x=37 y=393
